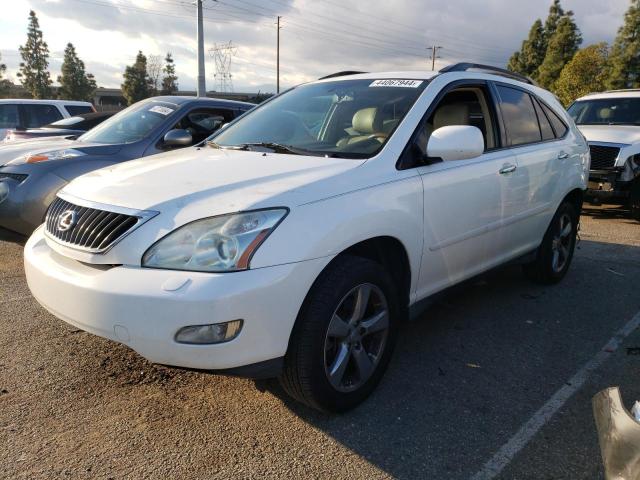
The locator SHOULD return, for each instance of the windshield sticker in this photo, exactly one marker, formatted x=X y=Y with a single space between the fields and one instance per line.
x=396 y=83
x=161 y=110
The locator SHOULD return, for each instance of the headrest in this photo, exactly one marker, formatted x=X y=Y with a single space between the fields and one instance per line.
x=605 y=113
x=367 y=120
x=453 y=114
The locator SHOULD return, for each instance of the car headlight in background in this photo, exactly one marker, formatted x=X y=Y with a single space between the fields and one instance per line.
x=218 y=244
x=47 y=156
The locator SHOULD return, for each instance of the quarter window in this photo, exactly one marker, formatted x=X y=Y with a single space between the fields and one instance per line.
x=545 y=125
x=558 y=125
x=78 y=109
x=519 y=116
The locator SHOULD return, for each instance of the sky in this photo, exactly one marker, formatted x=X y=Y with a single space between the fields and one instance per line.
x=318 y=37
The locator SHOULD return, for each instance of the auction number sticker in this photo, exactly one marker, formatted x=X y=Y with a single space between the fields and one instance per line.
x=396 y=83
x=161 y=110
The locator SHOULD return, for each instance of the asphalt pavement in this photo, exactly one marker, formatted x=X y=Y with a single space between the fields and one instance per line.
x=466 y=379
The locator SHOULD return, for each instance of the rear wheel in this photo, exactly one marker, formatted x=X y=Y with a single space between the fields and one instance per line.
x=555 y=253
x=344 y=336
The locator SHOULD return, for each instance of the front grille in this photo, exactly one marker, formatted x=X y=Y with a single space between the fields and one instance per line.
x=90 y=229
x=603 y=157
x=18 y=177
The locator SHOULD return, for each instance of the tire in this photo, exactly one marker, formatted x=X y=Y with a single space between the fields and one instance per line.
x=313 y=372
x=634 y=200
x=547 y=268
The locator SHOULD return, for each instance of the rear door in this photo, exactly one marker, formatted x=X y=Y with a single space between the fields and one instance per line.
x=540 y=150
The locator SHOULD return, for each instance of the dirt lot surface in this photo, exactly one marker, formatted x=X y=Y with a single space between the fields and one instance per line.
x=463 y=381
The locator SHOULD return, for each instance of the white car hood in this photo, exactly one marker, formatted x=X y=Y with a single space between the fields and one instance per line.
x=210 y=181
x=625 y=134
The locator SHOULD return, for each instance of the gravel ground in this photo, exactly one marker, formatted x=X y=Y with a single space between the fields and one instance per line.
x=463 y=380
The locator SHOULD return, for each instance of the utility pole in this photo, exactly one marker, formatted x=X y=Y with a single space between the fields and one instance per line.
x=434 y=55
x=278 y=58
x=202 y=89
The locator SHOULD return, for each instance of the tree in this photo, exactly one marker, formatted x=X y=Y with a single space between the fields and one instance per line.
x=563 y=45
x=154 y=70
x=137 y=85
x=530 y=57
x=35 y=55
x=625 y=54
x=75 y=83
x=170 y=80
x=556 y=12
x=584 y=74
x=5 y=84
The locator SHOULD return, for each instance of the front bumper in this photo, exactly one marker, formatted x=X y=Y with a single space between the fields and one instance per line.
x=144 y=308
x=27 y=201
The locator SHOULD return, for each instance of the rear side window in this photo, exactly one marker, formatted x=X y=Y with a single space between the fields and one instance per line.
x=545 y=125
x=558 y=125
x=78 y=109
x=519 y=116
x=39 y=115
x=9 y=116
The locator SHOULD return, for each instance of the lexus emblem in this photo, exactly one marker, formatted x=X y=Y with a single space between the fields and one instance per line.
x=66 y=220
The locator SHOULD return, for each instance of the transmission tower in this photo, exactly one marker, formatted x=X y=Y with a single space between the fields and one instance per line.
x=222 y=53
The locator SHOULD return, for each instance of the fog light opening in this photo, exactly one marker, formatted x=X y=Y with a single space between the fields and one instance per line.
x=209 y=334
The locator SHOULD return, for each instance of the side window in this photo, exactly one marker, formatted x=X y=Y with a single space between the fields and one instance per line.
x=202 y=122
x=9 y=116
x=519 y=116
x=461 y=106
x=545 y=125
x=39 y=115
x=558 y=125
x=78 y=109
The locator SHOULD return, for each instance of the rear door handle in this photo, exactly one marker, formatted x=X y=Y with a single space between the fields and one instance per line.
x=563 y=155
x=508 y=168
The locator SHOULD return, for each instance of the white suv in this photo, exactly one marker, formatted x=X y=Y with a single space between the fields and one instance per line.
x=22 y=114
x=611 y=123
x=296 y=241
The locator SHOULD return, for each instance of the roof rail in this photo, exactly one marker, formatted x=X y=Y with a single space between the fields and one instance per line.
x=341 y=74
x=464 y=66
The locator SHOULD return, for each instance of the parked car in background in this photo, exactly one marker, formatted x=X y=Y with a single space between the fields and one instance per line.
x=295 y=243
x=67 y=127
x=610 y=121
x=24 y=114
x=32 y=172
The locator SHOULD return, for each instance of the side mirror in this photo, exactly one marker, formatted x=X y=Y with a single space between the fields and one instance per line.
x=456 y=142
x=177 y=138
x=224 y=125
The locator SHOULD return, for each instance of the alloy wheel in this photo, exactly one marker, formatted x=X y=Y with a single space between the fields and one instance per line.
x=561 y=242
x=356 y=337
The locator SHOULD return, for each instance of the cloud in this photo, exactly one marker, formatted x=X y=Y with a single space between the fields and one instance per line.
x=317 y=37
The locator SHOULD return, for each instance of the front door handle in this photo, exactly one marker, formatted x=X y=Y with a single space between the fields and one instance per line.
x=508 y=168
x=563 y=155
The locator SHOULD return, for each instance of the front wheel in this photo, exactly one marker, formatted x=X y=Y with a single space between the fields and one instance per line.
x=344 y=336
x=555 y=253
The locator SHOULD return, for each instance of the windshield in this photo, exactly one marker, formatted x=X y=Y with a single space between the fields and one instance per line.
x=130 y=125
x=348 y=118
x=609 y=111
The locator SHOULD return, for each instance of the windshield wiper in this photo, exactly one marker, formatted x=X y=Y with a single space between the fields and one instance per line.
x=276 y=147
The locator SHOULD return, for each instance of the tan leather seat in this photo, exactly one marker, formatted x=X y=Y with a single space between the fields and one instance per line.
x=452 y=114
x=366 y=123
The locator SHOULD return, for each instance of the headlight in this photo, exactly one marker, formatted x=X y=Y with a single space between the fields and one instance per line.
x=217 y=244
x=46 y=156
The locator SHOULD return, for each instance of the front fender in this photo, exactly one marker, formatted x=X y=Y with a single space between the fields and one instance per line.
x=328 y=227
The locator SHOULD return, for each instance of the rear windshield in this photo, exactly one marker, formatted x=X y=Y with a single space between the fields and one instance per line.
x=606 y=111
x=131 y=124
x=344 y=118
